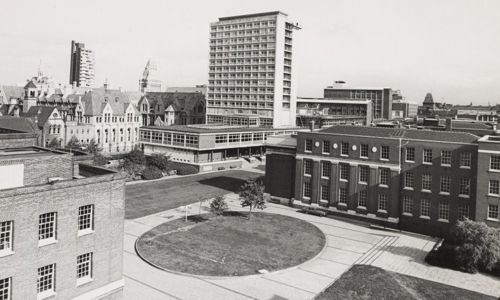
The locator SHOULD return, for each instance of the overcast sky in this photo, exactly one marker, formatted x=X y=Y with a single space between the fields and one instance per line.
x=450 y=48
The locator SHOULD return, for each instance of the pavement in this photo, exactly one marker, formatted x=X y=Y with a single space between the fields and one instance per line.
x=347 y=244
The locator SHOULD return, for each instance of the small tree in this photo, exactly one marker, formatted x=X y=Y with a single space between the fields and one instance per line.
x=73 y=143
x=159 y=161
x=477 y=245
x=134 y=162
x=54 y=143
x=218 y=205
x=93 y=147
x=252 y=195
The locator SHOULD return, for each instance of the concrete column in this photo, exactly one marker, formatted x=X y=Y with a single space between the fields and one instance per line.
x=299 y=175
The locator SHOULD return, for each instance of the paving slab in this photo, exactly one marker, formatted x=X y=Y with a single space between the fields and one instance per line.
x=301 y=279
x=325 y=267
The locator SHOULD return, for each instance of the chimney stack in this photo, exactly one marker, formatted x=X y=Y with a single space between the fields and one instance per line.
x=311 y=125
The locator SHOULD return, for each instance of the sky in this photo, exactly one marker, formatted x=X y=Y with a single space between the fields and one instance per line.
x=450 y=48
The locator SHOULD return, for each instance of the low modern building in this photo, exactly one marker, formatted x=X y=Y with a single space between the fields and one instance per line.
x=402 y=109
x=61 y=231
x=328 y=112
x=414 y=180
x=208 y=147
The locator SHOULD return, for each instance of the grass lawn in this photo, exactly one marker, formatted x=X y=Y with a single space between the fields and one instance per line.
x=231 y=245
x=367 y=282
x=147 y=198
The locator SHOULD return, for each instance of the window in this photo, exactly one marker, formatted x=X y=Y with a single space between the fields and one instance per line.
x=384 y=176
x=362 y=198
x=308 y=167
x=307 y=190
x=6 y=229
x=410 y=154
x=445 y=184
x=344 y=171
x=407 y=205
x=382 y=202
x=46 y=279
x=426 y=182
x=364 y=172
x=364 y=150
x=463 y=212
x=86 y=218
x=344 y=148
x=495 y=162
x=494 y=188
x=446 y=158
x=47 y=227
x=343 y=195
x=220 y=138
x=384 y=152
x=326 y=147
x=325 y=169
x=444 y=211
x=409 y=179
x=465 y=159
x=84 y=268
x=325 y=192
x=493 y=212
x=191 y=140
x=246 y=137
x=464 y=188
x=425 y=207
x=309 y=145
x=178 y=139
x=5 y=288
x=427 y=156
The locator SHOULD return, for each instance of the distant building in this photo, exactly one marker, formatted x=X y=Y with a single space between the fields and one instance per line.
x=200 y=88
x=251 y=71
x=149 y=81
x=61 y=230
x=380 y=97
x=402 y=109
x=81 y=66
x=50 y=123
x=414 y=180
x=431 y=108
x=328 y=112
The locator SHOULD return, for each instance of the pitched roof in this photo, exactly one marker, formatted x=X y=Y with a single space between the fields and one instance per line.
x=18 y=123
x=408 y=134
x=30 y=84
x=179 y=100
x=133 y=97
x=96 y=99
x=12 y=91
x=428 y=99
x=42 y=113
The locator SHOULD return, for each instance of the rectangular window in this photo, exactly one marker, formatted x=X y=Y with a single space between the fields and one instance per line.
x=410 y=154
x=493 y=212
x=307 y=190
x=425 y=207
x=344 y=148
x=86 y=218
x=446 y=158
x=6 y=230
x=47 y=226
x=464 y=188
x=308 y=167
x=409 y=179
x=46 y=280
x=445 y=184
x=364 y=150
x=343 y=195
x=384 y=152
x=384 y=176
x=426 y=182
x=495 y=162
x=191 y=141
x=444 y=211
x=427 y=156
x=221 y=139
x=407 y=205
x=325 y=192
x=84 y=268
x=309 y=145
x=344 y=171
x=178 y=139
x=362 y=198
x=463 y=212
x=382 y=202
x=246 y=137
x=325 y=169
x=364 y=172
x=5 y=288
x=326 y=147
x=465 y=159
x=494 y=188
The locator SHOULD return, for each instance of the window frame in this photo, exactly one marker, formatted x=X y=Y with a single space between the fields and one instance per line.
x=410 y=154
x=84 y=268
x=444 y=184
x=443 y=214
x=364 y=148
x=83 y=218
x=495 y=210
x=325 y=146
x=495 y=163
x=307 y=188
x=425 y=208
x=325 y=191
x=325 y=168
x=466 y=157
x=6 y=288
x=344 y=171
x=308 y=167
x=344 y=149
x=43 y=226
x=49 y=277
x=407 y=205
x=308 y=145
x=382 y=202
x=427 y=183
x=446 y=158
x=6 y=237
x=425 y=156
x=409 y=180
x=383 y=149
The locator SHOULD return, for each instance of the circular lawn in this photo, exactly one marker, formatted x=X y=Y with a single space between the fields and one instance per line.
x=230 y=245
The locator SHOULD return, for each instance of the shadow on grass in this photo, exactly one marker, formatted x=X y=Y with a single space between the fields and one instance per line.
x=239 y=214
x=198 y=218
x=229 y=184
x=417 y=254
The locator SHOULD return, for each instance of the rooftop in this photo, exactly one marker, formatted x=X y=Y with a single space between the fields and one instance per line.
x=326 y=100
x=286 y=141
x=214 y=128
x=263 y=14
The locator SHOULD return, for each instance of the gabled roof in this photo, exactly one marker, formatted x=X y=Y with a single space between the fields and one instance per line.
x=12 y=91
x=30 y=85
x=95 y=100
x=42 y=113
x=180 y=101
x=18 y=123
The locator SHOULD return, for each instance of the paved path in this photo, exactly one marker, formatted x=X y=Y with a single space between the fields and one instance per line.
x=347 y=244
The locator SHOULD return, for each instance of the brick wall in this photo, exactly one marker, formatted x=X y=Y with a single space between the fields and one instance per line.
x=18 y=140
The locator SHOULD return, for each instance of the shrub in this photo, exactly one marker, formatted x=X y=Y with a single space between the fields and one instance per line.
x=151 y=173
x=252 y=195
x=159 y=161
x=218 y=205
x=136 y=156
x=100 y=160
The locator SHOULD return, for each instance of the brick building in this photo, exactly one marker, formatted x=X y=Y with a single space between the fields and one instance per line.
x=61 y=233
x=414 y=180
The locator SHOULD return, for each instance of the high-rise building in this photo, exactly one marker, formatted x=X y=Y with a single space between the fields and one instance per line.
x=82 y=65
x=251 y=80
x=149 y=81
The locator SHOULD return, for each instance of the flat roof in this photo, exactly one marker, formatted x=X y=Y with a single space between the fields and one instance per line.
x=269 y=13
x=26 y=152
x=327 y=100
x=215 y=129
x=355 y=88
